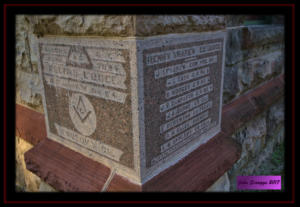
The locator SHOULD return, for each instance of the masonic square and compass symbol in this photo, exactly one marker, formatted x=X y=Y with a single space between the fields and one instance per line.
x=81 y=110
x=82 y=114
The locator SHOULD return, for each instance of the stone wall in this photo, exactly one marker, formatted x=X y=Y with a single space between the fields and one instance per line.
x=254 y=55
x=258 y=139
x=27 y=77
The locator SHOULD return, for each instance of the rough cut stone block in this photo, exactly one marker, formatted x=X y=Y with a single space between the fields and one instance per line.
x=28 y=89
x=104 y=25
x=162 y=24
x=241 y=77
x=25 y=179
x=252 y=41
x=252 y=137
x=275 y=118
x=260 y=35
x=137 y=105
x=123 y=25
x=235 y=20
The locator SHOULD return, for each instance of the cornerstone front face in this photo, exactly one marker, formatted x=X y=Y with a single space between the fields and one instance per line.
x=135 y=105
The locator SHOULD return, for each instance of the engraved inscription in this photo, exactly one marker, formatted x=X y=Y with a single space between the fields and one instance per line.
x=106 y=54
x=109 y=67
x=177 y=143
x=186 y=134
x=87 y=96
x=168 y=71
x=187 y=77
x=185 y=126
x=55 y=49
x=185 y=98
x=186 y=87
x=181 y=109
x=54 y=58
x=97 y=91
x=94 y=145
x=74 y=67
x=185 y=117
x=160 y=57
x=97 y=77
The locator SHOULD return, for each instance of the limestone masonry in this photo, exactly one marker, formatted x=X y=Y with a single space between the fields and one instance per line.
x=135 y=105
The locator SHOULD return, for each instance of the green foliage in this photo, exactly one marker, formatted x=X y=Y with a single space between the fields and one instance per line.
x=278 y=155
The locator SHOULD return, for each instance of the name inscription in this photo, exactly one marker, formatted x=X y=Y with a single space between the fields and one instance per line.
x=93 y=145
x=86 y=70
x=187 y=77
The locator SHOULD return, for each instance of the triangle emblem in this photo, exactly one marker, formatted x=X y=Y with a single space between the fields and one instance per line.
x=78 y=57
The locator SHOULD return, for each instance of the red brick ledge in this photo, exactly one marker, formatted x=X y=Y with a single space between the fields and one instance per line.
x=30 y=124
x=200 y=169
x=67 y=170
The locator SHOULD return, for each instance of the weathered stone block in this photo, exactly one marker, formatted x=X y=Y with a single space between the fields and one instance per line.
x=234 y=53
x=280 y=135
x=262 y=35
x=265 y=66
x=123 y=25
x=252 y=41
x=252 y=137
x=24 y=178
x=104 y=25
x=137 y=105
x=147 y=25
x=275 y=119
x=28 y=89
x=25 y=57
x=235 y=20
x=241 y=77
x=231 y=83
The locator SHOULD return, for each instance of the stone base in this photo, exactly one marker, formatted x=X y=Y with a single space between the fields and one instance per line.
x=65 y=172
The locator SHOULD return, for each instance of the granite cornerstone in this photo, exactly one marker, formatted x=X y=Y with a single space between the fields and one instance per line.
x=137 y=105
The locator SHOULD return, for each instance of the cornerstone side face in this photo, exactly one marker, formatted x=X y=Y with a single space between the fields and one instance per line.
x=181 y=93
x=88 y=88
